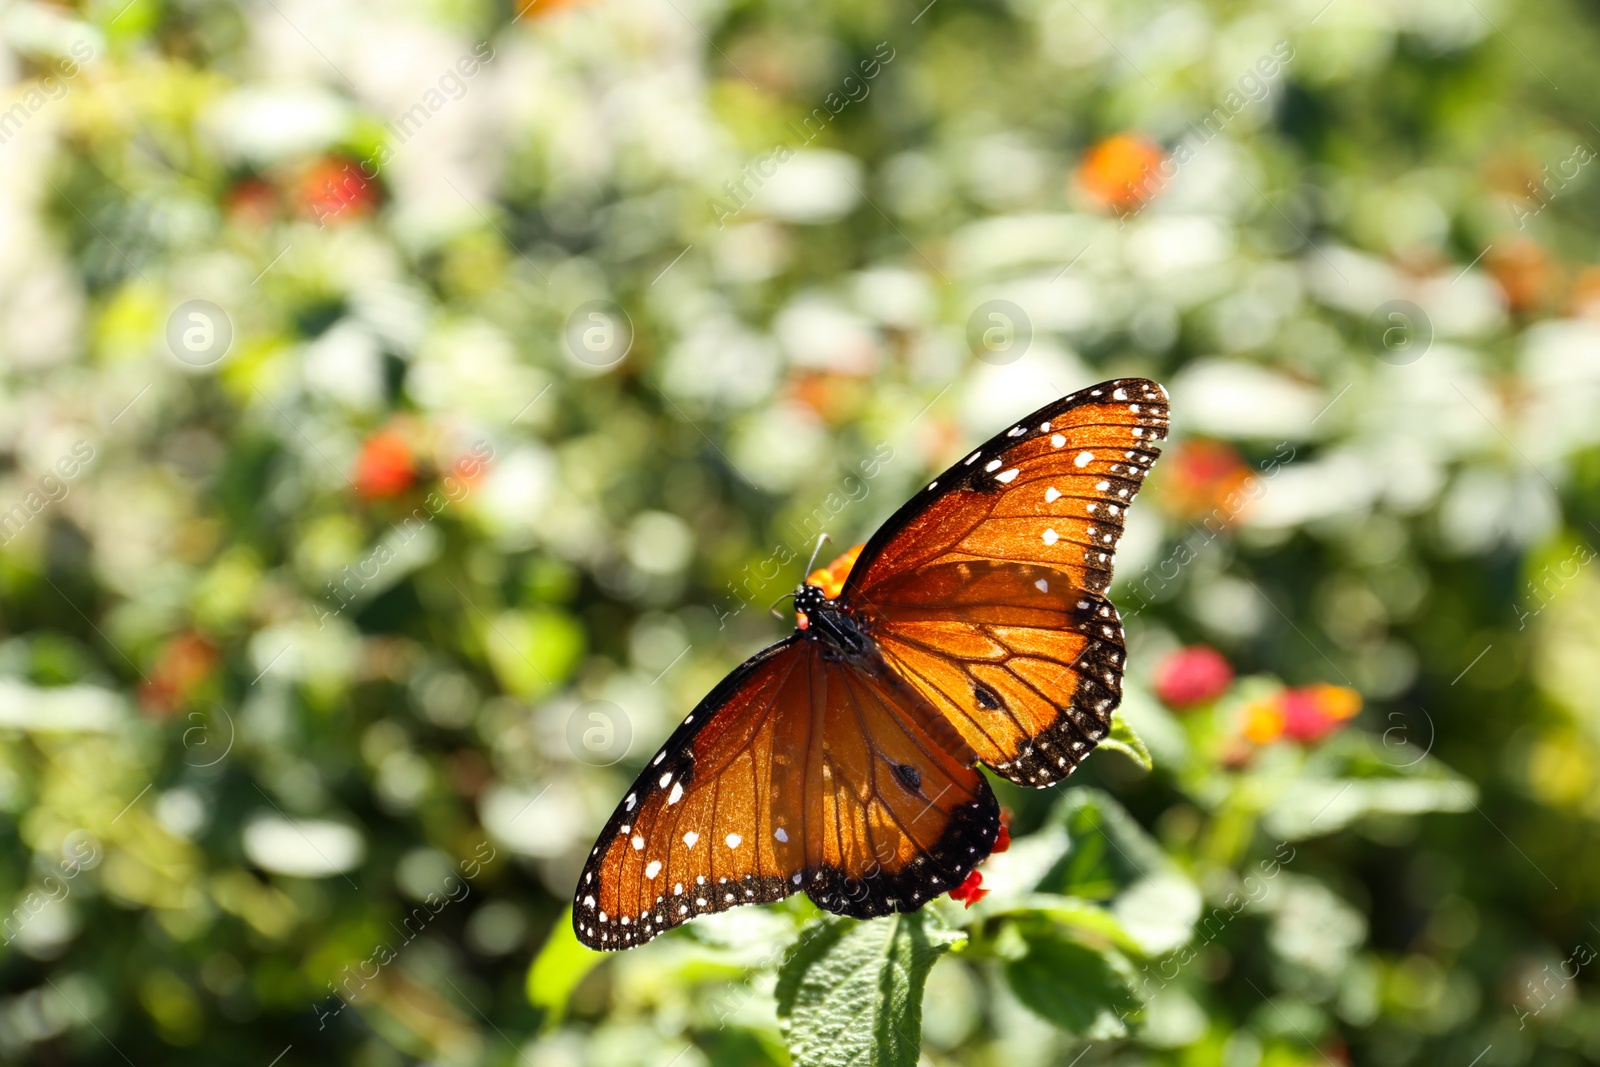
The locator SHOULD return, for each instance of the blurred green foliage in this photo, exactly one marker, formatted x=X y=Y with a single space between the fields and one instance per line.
x=333 y=621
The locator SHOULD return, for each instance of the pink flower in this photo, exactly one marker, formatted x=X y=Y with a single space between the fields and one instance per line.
x=1315 y=711
x=1191 y=676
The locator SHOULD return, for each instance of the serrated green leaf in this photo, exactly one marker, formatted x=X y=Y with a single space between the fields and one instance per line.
x=850 y=992
x=558 y=968
x=1123 y=739
x=1083 y=990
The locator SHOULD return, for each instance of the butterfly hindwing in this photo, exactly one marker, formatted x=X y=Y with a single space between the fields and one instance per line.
x=903 y=814
x=1025 y=666
x=798 y=772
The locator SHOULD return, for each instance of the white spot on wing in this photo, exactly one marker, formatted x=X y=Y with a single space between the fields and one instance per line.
x=781 y=834
x=1051 y=537
x=1006 y=476
x=638 y=842
x=1042 y=585
x=690 y=838
x=676 y=794
x=652 y=868
x=1051 y=495
x=1058 y=440
x=734 y=840
x=1083 y=459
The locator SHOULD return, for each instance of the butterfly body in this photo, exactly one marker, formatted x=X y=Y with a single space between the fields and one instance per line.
x=844 y=760
x=834 y=626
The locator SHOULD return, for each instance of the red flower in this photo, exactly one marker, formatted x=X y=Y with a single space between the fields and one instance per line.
x=1191 y=676
x=183 y=665
x=386 y=466
x=970 y=890
x=337 y=188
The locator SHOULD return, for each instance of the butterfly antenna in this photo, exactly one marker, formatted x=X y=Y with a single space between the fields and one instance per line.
x=814 y=552
x=776 y=614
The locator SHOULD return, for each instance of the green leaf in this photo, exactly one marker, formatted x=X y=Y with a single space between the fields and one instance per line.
x=1085 y=991
x=1108 y=849
x=850 y=992
x=532 y=652
x=1111 y=858
x=558 y=968
x=1123 y=739
x=1091 y=920
x=1355 y=775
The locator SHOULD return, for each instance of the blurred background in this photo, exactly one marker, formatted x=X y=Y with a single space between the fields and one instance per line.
x=408 y=411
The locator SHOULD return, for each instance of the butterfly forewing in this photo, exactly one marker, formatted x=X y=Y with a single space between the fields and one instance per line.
x=985 y=590
x=1051 y=490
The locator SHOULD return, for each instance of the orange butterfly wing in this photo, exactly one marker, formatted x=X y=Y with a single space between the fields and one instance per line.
x=985 y=590
x=797 y=772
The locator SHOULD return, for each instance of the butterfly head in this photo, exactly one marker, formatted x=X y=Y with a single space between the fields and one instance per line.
x=824 y=583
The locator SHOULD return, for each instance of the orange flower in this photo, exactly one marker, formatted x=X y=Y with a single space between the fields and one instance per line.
x=543 y=8
x=1586 y=293
x=385 y=467
x=183 y=665
x=1204 y=479
x=830 y=579
x=835 y=397
x=971 y=891
x=1263 y=721
x=1523 y=271
x=1121 y=171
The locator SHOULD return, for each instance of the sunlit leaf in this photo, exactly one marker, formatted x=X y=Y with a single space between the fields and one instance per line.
x=558 y=968
x=1083 y=990
x=1123 y=739
x=850 y=991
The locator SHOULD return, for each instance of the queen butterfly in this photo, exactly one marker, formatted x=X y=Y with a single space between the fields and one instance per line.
x=843 y=761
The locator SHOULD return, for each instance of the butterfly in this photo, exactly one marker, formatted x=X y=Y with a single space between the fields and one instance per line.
x=843 y=761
